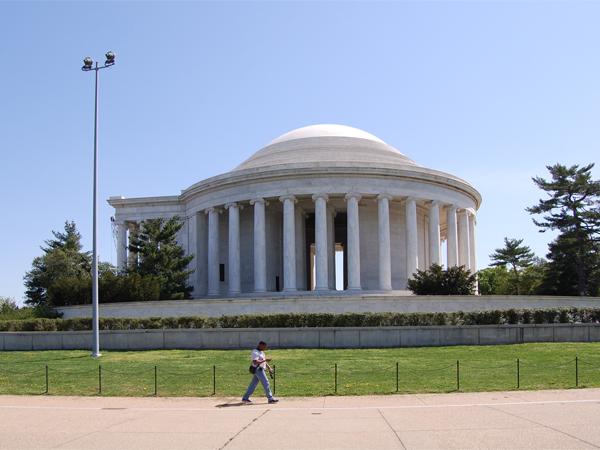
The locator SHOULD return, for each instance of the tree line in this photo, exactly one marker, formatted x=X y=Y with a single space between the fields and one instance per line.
x=61 y=276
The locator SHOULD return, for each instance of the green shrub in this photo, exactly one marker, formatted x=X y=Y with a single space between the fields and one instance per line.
x=301 y=320
x=437 y=281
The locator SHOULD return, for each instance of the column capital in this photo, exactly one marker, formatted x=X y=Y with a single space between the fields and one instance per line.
x=385 y=196
x=434 y=203
x=213 y=209
x=353 y=195
x=258 y=200
x=452 y=206
x=233 y=205
x=291 y=197
x=411 y=199
x=325 y=197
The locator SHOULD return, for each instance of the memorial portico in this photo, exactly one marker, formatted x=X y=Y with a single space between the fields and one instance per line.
x=276 y=222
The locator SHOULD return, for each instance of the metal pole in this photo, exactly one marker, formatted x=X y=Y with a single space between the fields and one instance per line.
x=576 y=372
x=155 y=383
x=335 y=379
x=397 y=370
x=99 y=379
x=518 y=374
x=214 y=380
x=46 y=378
x=274 y=378
x=95 y=327
x=457 y=375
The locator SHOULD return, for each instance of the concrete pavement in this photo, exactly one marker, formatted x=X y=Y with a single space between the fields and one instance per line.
x=521 y=419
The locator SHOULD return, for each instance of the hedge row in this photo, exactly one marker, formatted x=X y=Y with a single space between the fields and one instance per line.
x=511 y=316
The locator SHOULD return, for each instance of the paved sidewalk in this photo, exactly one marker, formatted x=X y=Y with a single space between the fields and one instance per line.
x=523 y=419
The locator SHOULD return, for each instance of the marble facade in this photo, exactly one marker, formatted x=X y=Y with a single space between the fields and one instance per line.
x=275 y=222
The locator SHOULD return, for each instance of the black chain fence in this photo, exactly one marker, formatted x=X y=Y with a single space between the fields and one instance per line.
x=294 y=379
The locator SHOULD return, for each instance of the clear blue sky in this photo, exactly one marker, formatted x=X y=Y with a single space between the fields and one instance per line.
x=491 y=92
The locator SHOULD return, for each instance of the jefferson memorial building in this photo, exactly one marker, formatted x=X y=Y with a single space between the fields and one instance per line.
x=277 y=221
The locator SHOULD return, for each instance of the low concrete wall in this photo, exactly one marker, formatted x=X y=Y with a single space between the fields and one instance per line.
x=244 y=338
x=329 y=303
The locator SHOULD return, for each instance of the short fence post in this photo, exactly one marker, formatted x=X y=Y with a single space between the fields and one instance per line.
x=518 y=374
x=335 y=378
x=274 y=378
x=155 y=382
x=397 y=370
x=99 y=379
x=214 y=380
x=46 y=379
x=576 y=372
x=457 y=375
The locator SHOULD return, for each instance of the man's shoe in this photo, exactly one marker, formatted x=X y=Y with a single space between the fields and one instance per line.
x=273 y=400
x=246 y=401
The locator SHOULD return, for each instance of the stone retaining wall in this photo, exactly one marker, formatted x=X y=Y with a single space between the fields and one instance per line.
x=244 y=338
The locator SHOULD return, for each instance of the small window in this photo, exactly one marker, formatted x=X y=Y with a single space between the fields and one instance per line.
x=222 y=272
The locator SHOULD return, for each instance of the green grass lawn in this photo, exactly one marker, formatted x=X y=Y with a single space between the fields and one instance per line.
x=303 y=372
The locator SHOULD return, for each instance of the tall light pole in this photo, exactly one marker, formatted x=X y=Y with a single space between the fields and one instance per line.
x=89 y=65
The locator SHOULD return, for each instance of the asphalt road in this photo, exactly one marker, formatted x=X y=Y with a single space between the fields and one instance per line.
x=523 y=419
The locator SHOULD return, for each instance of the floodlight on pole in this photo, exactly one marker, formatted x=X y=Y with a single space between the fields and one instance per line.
x=89 y=65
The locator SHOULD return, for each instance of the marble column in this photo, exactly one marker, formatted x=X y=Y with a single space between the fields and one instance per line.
x=412 y=250
x=472 y=252
x=121 y=246
x=463 y=239
x=234 y=248
x=331 y=213
x=385 y=260
x=353 y=249
x=202 y=254
x=434 y=233
x=192 y=249
x=300 y=249
x=452 y=238
x=132 y=257
x=289 y=243
x=260 y=247
x=213 y=251
x=322 y=275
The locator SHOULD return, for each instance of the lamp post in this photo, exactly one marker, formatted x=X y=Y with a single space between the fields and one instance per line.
x=89 y=65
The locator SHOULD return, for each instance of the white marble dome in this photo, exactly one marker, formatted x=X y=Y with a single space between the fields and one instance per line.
x=326 y=144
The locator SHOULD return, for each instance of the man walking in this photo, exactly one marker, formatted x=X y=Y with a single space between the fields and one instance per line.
x=258 y=367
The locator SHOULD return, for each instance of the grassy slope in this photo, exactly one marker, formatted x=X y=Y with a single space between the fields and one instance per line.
x=304 y=372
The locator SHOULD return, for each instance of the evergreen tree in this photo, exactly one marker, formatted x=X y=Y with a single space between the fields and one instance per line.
x=516 y=256
x=573 y=208
x=159 y=255
x=63 y=257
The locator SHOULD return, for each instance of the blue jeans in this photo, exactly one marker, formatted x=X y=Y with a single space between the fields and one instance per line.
x=261 y=376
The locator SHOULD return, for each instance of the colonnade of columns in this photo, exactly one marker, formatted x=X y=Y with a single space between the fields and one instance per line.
x=460 y=237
